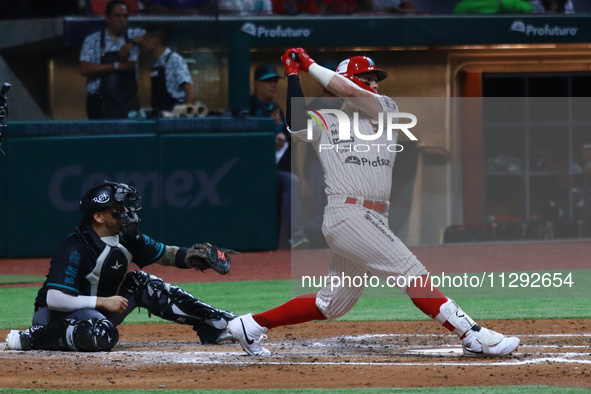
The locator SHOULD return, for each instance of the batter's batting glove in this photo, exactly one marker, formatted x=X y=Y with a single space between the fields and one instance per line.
x=303 y=59
x=289 y=62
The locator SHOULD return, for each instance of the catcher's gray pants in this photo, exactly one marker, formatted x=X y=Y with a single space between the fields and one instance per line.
x=43 y=316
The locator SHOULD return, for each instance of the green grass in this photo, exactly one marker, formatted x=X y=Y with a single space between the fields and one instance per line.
x=16 y=304
x=441 y=390
x=19 y=279
x=16 y=309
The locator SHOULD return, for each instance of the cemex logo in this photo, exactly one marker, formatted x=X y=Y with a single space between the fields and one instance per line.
x=182 y=188
x=343 y=133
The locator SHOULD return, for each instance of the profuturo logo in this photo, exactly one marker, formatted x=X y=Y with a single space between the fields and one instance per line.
x=275 y=32
x=249 y=28
x=353 y=160
x=543 y=31
x=378 y=162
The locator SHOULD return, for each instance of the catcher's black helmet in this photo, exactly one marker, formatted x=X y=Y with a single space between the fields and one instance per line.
x=124 y=198
x=98 y=199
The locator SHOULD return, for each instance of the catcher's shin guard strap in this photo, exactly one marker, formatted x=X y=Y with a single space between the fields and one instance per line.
x=174 y=304
x=188 y=310
x=450 y=312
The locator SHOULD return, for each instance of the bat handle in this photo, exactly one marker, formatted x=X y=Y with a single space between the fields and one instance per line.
x=294 y=56
x=5 y=88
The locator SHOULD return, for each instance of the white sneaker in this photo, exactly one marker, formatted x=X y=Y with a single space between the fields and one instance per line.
x=488 y=343
x=249 y=333
x=13 y=340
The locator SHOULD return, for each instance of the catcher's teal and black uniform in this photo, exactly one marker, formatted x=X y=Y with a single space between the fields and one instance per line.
x=86 y=265
x=89 y=291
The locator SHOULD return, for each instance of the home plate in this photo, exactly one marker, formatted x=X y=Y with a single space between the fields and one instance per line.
x=437 y=352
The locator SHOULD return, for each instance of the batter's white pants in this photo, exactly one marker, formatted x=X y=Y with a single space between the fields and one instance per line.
x=362 y=243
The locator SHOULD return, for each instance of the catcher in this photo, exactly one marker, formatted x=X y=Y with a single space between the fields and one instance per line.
x=89 y=291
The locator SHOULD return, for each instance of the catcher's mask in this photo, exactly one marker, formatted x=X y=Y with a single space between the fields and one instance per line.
x=124 y=199
x=355 y=65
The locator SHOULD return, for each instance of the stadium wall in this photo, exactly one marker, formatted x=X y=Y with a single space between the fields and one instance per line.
x=425 y=56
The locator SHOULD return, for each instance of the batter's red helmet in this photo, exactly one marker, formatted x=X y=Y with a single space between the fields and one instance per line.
x=349 y=68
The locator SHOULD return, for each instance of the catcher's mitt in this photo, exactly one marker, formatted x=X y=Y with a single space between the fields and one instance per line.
x=206 y=256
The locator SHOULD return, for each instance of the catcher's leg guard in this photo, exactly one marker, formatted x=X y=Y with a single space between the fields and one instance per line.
x=173 y=303
x=75 y=335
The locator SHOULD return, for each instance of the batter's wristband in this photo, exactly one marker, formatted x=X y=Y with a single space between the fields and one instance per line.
x=179 y=258
x=322 y=75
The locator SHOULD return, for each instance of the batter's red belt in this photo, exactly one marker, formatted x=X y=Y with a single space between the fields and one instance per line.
x=377 y=206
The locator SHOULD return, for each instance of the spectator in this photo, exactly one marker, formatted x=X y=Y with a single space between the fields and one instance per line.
x=171 y=82
x=109 y=60
x=99 y=7
x=294 y=7
x=393 y=6
x=342 y=7
x=552 y=7
x=245 y=7
x=262 y=104
x=165 y=7
x=492 y=6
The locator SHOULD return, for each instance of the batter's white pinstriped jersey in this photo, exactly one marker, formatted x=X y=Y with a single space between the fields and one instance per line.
x=360 y=237
x=348 y=170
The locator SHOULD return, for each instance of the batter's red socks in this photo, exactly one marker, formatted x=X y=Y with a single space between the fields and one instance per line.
x=428 y=298
x=297 y=310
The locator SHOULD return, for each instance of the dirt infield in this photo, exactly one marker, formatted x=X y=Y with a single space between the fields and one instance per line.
x=323 y=354
x=320 y=354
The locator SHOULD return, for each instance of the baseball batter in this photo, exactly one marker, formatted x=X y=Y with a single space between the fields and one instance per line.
x=355 y=219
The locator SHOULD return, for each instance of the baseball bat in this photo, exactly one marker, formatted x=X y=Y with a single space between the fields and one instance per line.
x=5 y=88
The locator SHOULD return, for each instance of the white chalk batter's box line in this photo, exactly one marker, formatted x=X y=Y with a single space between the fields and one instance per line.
x=369 y=336
x=220 y=358
x=455 y=346
x=450 y=350
x=259 y=361
x=206 y=358
x=415 y=364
